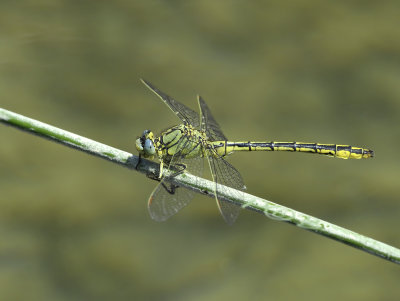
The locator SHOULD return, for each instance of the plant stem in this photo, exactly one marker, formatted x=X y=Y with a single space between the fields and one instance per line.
x=248 y=201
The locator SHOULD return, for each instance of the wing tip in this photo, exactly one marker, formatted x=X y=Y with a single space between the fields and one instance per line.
x=146 y=83
x=200 y=99
x=154 y=89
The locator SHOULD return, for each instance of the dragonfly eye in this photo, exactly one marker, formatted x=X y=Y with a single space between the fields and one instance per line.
x=145 y=144
x=149 y=148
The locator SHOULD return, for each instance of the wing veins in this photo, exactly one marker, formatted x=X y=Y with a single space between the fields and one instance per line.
x=184 y=113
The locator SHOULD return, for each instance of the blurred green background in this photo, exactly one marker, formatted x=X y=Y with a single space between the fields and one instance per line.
x=74 y=227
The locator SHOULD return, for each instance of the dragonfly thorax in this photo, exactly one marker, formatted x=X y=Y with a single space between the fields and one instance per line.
x=182 y=140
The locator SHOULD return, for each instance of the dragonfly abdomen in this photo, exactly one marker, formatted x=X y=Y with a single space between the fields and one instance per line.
x=333 y=150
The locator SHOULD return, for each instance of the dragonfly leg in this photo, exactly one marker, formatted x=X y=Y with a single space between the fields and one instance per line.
x=138 y=162
x=181 y=170
x=161 y=169
x=171 y=189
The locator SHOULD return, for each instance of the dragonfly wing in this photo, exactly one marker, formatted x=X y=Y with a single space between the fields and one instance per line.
x=224 y=174
x=167 y=198
x=183 y=112
x=208 y=123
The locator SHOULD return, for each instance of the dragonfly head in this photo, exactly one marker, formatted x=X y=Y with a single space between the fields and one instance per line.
x=145 y=144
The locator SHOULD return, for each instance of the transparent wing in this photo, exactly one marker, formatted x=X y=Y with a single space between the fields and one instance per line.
x=167 y=199
x=208 y=123
x=183 y=112
x=225 y=174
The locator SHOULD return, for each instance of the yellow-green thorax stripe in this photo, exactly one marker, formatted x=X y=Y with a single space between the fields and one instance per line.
x=183 y=140
x=334 y=150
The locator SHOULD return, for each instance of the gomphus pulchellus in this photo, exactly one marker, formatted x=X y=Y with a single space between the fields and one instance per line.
x=199 y=136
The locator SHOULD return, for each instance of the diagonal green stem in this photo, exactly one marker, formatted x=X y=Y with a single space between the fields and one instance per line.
x=248 y=201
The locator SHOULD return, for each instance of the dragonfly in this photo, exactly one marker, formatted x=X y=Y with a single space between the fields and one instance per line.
x=199 y=138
